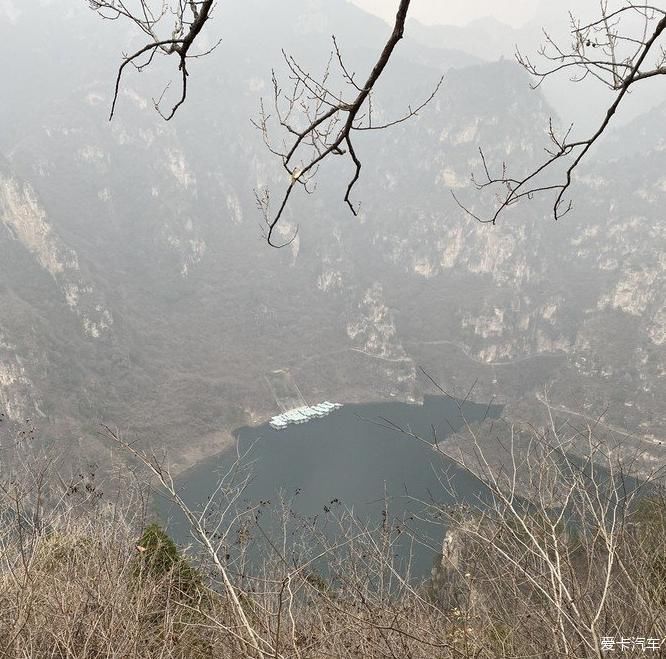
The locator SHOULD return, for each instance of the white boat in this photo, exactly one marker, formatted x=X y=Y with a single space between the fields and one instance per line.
x=302 y=414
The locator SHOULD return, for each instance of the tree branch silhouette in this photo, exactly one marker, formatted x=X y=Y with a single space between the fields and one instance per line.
x=601 y=50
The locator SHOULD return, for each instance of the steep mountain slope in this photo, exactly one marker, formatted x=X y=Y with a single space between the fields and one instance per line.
x=137 y=291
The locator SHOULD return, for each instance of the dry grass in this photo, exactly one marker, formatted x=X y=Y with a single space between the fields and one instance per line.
x=583 y=557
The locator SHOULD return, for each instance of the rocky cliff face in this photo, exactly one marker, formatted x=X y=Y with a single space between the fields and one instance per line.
x=136 y=289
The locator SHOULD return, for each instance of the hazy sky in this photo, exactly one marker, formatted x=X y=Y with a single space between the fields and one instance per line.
x=456 y=12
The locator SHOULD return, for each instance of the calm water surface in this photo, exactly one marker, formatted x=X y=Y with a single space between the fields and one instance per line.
x=353 y=457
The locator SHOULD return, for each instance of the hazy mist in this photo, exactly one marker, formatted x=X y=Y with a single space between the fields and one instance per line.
x=137 y=287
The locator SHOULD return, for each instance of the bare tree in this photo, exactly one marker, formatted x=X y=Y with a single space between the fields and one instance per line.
x=366 y=605
x=557 y=556
x=561 y=554
x=213 y=536
x=621 y=48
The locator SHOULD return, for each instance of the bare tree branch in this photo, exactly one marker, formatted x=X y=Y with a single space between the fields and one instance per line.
x=600 y=50
x=190 y=18
x=330 y=122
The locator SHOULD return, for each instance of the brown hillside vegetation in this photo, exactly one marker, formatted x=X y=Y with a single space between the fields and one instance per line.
x=559 y=558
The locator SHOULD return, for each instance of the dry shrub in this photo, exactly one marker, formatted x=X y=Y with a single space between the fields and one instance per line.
x=560 y=549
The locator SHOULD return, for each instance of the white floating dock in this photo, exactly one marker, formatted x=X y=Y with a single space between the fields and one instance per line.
x=303 y=414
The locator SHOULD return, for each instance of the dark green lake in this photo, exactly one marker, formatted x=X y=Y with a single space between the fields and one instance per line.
x=353 y=457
